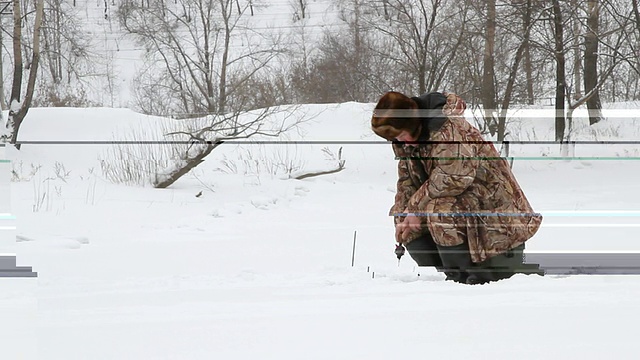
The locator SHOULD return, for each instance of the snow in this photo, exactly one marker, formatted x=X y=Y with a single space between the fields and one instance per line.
x=259 y=265
x=15 y=105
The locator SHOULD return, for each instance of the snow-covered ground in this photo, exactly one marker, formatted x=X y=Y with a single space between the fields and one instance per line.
x=259 y=266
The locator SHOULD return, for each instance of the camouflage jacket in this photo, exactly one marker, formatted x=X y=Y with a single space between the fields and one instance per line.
x=462 y=188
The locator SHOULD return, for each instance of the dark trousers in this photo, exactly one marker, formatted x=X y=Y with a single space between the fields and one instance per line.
x=424 y=251
x=456 y=261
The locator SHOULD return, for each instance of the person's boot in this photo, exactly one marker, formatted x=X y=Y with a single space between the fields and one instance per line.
x=424 y=252
x=480 y=275
x=504 y=266
x=456 y=262
x=507 y=264
x=513 y=262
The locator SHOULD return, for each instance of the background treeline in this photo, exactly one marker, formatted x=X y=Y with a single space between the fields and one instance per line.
x=213 y=56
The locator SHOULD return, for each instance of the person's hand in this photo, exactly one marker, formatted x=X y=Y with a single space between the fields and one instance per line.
x=403 y=229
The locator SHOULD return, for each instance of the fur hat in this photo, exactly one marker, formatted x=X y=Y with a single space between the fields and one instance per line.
x=394 y=113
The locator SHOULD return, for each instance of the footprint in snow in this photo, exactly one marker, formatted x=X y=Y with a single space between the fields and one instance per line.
x=64 y=242
x=264 y=203
x=71 y=242
x=22 y=238
x=215 y=213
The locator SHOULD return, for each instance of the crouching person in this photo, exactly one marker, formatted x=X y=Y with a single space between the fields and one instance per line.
x=458 y=206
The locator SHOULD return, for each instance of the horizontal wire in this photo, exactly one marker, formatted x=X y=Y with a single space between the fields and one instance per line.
x=568 y=213
x=491 y=158
x=322 y=142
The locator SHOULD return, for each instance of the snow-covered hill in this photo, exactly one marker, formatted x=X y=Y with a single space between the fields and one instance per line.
x=259 y=266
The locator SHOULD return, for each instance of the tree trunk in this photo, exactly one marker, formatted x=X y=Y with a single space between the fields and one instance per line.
x=636 y=13
x=223 y=75
x=16 y=87
x=33 y=72
x=319 y=173
x=528 y=68
x=226 y=14
x=191 y=163
x=488 y=74
x=58 y=41
x=359 y=90
x=3 y=105
x=577 y=57
x=208 y=71
x=591 y=62
x=422 y=78
x=560 y=70
x=506 y=101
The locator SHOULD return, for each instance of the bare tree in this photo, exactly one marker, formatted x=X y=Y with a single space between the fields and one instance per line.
x=3 y=105
x=636 y=13
x=564 y=38
x=351 y=14
x=613 y=40
x=528 y=66
x=18 y=108
x=421 y=38
x=591 y=61
x=488 y=92
x=70 y=67
x=345 y=65
x=207 y=53
x=620 y=43
x=501 y=38
x=300 y=76
x=527 y=24
x=577 y=54
x=561 y=82
x=299 y=8
x=220 y=128
x=356 y=63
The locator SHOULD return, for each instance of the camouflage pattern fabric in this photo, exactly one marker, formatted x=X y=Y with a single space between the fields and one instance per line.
x=462 y=189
